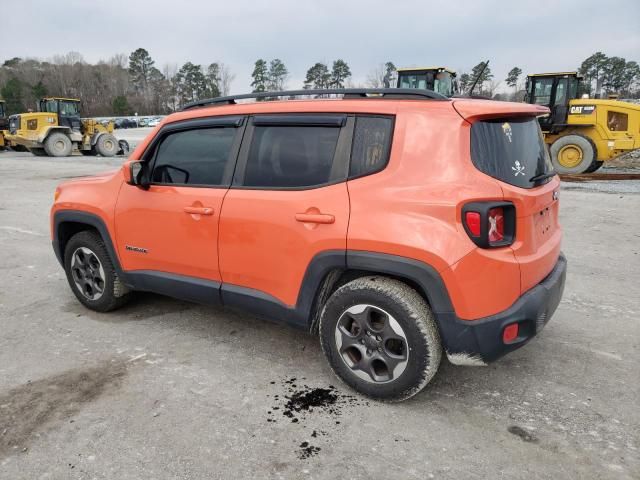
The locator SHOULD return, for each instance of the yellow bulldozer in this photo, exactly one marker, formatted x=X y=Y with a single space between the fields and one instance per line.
x=582 y=133
x=56 y=129
x=439 y=79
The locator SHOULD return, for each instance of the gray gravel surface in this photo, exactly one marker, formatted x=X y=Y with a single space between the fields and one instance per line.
x=163 y=389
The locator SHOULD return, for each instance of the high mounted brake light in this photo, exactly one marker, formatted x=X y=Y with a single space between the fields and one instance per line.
x=490 y=224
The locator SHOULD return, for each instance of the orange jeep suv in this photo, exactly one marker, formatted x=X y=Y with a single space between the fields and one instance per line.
x=398 y=225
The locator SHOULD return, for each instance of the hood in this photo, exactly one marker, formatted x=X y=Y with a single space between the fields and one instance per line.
x=98 y=177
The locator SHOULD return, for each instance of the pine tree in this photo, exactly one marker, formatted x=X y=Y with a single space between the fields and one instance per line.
x=318 y=77
x=277 y=75
x=339 y=73
x=260 y=76
x=513 y=76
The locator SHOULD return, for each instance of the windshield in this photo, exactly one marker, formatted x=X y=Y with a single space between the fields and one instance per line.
x=441 y=82
x=511 y=150
x=416 y=80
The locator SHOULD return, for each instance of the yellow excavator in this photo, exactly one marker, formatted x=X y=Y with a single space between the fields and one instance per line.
x=56 y=129
x=582 y=133
x=439 y=79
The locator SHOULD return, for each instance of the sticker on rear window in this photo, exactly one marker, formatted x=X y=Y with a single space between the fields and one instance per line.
x=506 y=128
x=518 y=169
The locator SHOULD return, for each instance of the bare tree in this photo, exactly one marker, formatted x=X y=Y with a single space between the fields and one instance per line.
x=375 y=78
x=226 y=79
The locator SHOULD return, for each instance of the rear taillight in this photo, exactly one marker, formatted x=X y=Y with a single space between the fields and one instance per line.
x=490 y=224
x=496 y=225
x=472 y=220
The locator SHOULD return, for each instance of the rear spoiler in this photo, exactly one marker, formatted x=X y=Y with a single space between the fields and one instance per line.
x=471 y=109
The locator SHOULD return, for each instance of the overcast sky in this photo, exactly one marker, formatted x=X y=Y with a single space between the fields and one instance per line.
x=537 y=36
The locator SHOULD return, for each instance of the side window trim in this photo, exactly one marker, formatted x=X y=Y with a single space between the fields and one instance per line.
x=237 y=122
x=341 y=156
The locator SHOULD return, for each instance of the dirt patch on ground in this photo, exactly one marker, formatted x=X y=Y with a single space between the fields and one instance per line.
x=304 y=406
x=34 y=406
x=628 y=161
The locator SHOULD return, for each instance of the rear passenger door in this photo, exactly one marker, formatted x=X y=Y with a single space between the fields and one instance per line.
x=172 y=228
x=288 y=202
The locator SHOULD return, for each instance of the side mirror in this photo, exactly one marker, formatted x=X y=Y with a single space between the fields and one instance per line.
x=138 y=175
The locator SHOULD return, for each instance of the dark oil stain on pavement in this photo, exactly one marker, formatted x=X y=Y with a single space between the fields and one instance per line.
x=34 y=406
x=301 y=404
x=522 y=433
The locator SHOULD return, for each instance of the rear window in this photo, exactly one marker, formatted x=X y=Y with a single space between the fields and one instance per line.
x=511 y=150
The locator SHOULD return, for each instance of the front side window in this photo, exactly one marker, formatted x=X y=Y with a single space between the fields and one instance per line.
x=291 y=156
x=561 y=92
x=443 y=84
x=194 y=157
x=542 y=91
x=50 y=106
x=69 y=109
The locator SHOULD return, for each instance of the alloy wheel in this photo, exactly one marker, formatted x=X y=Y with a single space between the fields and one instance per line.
x=372 y=343
x=88 y=273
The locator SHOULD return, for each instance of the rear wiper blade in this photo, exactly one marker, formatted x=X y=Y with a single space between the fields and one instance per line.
x=543 y=176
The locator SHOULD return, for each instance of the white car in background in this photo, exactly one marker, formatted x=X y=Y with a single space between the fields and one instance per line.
x=154 y=122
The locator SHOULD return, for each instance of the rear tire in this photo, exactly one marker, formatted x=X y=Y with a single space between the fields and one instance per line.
x=107 y=145
x=38 y=152
x=58 y=145
x=91 y=274
x=594 y=166
x=380 y=337
x=573 y=154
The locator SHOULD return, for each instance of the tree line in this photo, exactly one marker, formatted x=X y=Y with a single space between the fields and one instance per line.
x=119 y=86
x=602 y=75
x=126 y=85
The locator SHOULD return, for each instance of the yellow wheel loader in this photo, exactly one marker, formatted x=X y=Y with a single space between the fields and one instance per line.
x=582 y=133
x=438 y=79
x=56 y=129
x=4 y=124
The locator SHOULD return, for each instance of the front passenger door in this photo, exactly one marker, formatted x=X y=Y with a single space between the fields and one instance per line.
x=172 y=228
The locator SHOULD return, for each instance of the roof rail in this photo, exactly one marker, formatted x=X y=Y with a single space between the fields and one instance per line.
x=347 y=93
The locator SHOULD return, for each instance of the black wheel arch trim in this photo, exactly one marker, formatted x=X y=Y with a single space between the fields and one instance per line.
x=75 y=216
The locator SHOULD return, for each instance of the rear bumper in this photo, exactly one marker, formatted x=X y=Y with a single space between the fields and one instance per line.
x=478 y=342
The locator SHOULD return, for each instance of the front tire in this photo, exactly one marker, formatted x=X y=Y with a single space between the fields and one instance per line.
x=58 y=145
x=91 y=274
x=107 y=145
x=380 y=337
x=573 y=154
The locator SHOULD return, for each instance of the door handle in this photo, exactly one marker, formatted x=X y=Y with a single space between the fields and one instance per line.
x=323 y=218
x=199 y=210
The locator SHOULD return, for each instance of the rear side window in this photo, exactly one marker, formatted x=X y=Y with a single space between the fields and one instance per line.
x=371 y=145
x=510 y=150
x=291 y=156
x=617 y=122
x=194 y=157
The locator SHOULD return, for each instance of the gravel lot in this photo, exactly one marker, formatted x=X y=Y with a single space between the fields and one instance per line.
x=167 y=389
